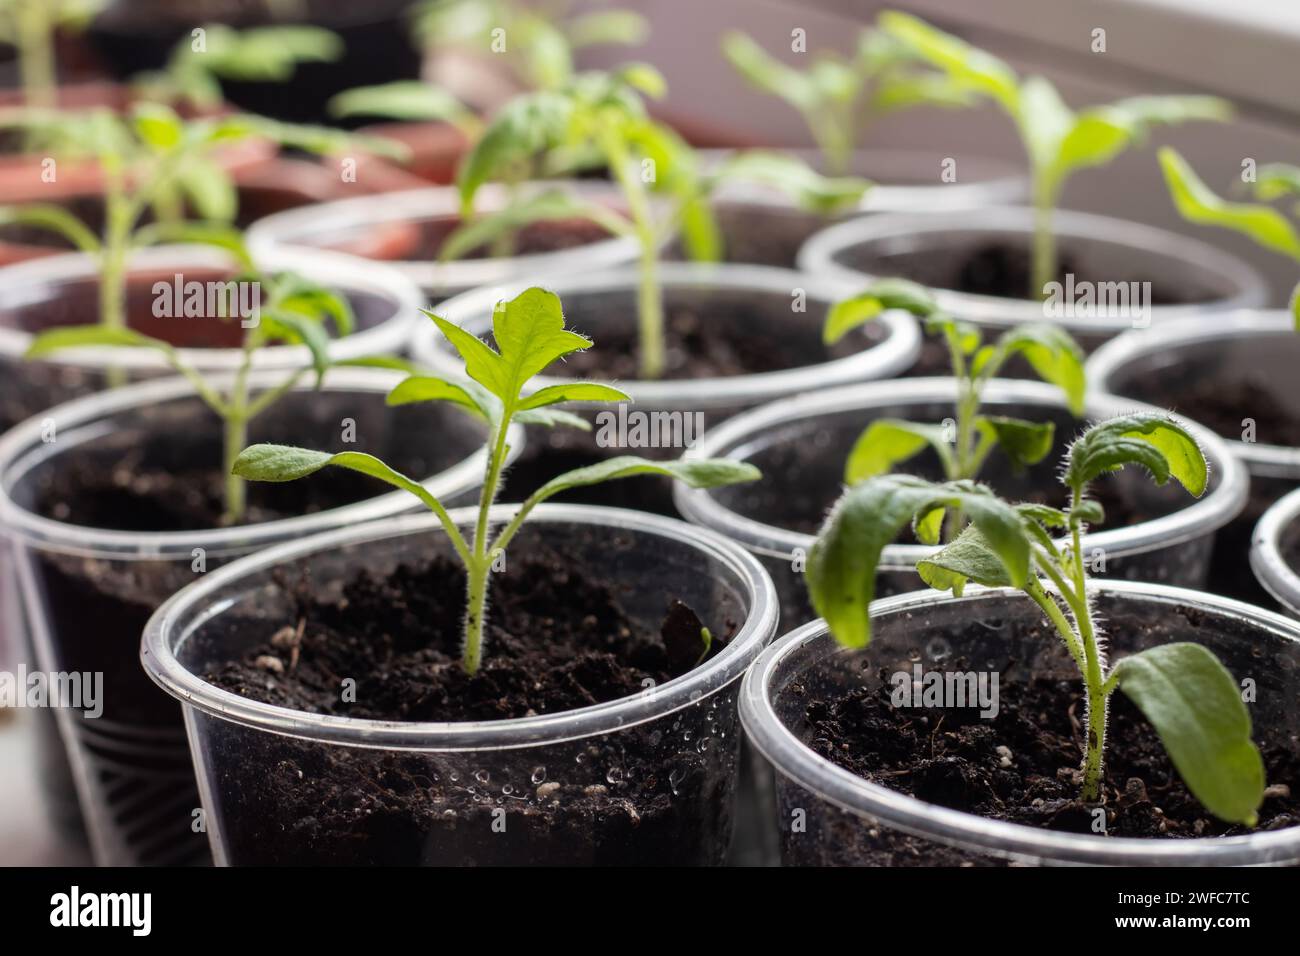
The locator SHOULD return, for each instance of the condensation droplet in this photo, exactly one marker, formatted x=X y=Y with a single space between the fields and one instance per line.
x=539 y=775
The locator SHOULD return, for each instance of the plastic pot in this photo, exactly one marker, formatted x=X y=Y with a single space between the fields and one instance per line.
x=1275 y=552
x=680 y=738
x=407 y=228
x=750 y=305
x=948 y=250
x=1233 y=375
x=763 y=226
x=843 y=819
x=64 y=290
x=93 y=562
x=801 y=445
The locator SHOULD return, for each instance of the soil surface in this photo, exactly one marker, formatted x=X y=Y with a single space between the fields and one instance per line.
x=555 y=640
x=1022 y=766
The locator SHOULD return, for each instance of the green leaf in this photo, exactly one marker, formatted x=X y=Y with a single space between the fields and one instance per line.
x=81 y=336
x=389 y=362
x=967 y=65
x=158 y=126
x=795 y=178
x=1196 y=708
x=1101 y=133
x=643 y=78
x=878 y=297
x=768 y=74
x=552 y=418
x=573 y=392
x=220 y=235
x=297 y=329
x=842 y=563
x=1197 y=203
x=698 y=473
x=426 y=388
x=1044 y=121
x=529 y=330
x=1275 y=180
x=400 y=100
x=1052 y=353
x=1158 y=444
x=210 y=189
x=601 y=27
x=1024 y=443
x=968 y=558
x=279 y=463
x=547 y=206
x=887 y=442
x=1295 y=306
x=524 y=127
x=54 y=218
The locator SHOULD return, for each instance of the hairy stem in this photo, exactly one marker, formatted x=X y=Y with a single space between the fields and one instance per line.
x=479 y=564
x=1097 y=699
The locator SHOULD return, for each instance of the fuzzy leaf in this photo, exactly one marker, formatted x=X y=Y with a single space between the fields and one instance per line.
x=279 y=463
x=1158 y=444
x=842 y=564
x=968 y=558
x=427 y=388
x=1196 y=708
x=298 y=329
x=1024 y=443
x=1197 y=203
x=573 y=392
x=527 y=125
x=699 y=473
x=1052 y=353
x=887 y=442
x=878 y=297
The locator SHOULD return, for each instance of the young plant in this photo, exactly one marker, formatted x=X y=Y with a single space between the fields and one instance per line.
x=1268 y=227
x=538 y=40
x=290 y=309
x=1058 y=140
x=1188 y=696
x=839 y=97
x=30 y=27
x=154 y=164
x=215 y=52
x=886 y=443
x=530 y=335
x=601 y=119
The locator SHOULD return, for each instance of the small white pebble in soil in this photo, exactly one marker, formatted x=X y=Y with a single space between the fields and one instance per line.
x=1277 y=791
x=268 y=663
x=1004 y=755
x=545 y=791
x=595 y=790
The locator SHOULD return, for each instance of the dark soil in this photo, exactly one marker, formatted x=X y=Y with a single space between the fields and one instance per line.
x=555 y=641
x=1022 y=766
x=533 y=239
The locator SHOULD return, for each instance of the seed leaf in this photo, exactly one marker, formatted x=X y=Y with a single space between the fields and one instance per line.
x=401 y=100
x=699 y=473
x=278 y=463
x=1197 y=203
x=880 y=296
x=53 y=218
x=1158 y=444
x=573 y=392
x=1196 y=708
x=77 y=336
x=888 y=442
x=842 y=565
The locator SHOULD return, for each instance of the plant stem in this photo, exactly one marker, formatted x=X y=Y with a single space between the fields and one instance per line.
x=479 y=564
x=113 y=256
x=36 y=54
x=1044 y=251
x=236 y=427
x=1097 y=699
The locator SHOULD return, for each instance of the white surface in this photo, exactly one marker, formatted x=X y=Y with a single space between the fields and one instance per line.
x=26 y=838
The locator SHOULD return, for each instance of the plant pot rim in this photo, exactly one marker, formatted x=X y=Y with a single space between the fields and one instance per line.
x=88 y=418
x=818 y=255
x=896 y=353
x=286 y=230
x=159 y=660
x=792 y=758
x=996 y=182
x=1266 y=559
x=333 y=269
x=1278 y=461
x=1221 y=504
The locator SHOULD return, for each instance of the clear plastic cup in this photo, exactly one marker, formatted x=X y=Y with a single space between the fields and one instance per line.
x=826 y=815
x=682 y=736
x=1110 y=249
x=88 y=591
x=1274 y=551
x=801 y=445
x=390 y=228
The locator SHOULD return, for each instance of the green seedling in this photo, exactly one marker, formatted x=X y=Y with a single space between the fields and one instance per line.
x=1267 y=226
x=289 y=310
x=1058 y=140
x=962 y=449
x=530 y=335
x=30 y=26
x=538 y=40
x=601 y=119
x=215 y=52
x=1188 y=696
x=408 y=101
x=839 y=97
x=155 y=164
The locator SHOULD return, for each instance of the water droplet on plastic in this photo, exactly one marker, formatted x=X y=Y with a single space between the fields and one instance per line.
x=539 y=775
x=482 y=776
x=614 y=775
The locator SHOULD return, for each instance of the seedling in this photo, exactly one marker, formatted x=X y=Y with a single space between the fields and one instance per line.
x=538 y=40
x=1268 y=227
x=963 y=448
x=530 y=334
x=839 y=97
x=1183 y=690
x=601 y=118
x=290 y=310
x=153 y=163
x=215 y=52
x=30 y=26
x=1058 y=140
